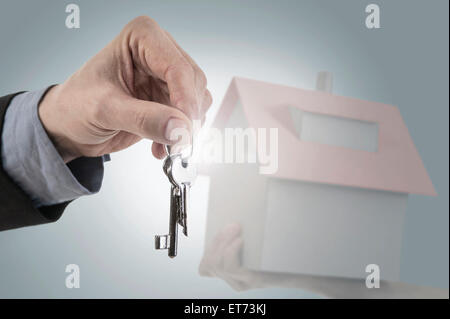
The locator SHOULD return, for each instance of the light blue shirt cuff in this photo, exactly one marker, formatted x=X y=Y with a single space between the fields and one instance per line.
x=32 y=161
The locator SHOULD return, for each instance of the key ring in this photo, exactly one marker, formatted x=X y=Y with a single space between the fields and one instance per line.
x=184 y=158
x=167 y=167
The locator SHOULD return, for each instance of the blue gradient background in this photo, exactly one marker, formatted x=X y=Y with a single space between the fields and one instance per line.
x=110 y=235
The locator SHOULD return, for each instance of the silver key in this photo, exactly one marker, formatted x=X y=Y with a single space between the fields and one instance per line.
x=170 y=240
x=181 y=175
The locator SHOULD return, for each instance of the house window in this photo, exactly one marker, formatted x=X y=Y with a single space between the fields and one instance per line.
x=336 y=131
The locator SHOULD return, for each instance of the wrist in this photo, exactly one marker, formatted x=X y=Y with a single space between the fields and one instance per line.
x=52 y=120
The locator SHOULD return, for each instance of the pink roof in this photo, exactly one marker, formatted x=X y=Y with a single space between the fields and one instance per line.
x=395 y=166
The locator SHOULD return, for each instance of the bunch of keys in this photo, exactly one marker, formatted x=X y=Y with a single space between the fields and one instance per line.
x=181 y=174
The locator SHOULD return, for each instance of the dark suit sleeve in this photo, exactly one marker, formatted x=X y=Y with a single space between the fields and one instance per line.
x=16 y=208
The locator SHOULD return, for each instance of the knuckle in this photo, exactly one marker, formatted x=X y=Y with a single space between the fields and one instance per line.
x=141 y=26
x=203 y=81
x=145 y=21
x=208 y=99
x=185 y=67
x=178 y=99
x=184 y=103
x=190 y=107
x=191 y=110
x=180 y=68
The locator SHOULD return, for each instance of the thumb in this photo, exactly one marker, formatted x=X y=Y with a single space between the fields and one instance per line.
x=155 y=121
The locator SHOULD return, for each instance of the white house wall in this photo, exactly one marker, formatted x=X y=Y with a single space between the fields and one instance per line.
x=332 y=230
x=237 y=194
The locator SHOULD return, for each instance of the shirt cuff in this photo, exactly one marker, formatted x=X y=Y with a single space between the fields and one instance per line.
x=32 y=161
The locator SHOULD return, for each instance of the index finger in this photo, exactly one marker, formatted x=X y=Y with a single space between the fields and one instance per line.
x=162 y=59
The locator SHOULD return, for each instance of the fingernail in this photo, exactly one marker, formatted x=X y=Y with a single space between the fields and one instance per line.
x=173 y=124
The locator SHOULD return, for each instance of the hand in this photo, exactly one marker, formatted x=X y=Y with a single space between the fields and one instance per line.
x=141 y=85
x=222 y=259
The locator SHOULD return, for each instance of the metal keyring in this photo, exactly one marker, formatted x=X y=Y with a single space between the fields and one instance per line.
x=184 y=158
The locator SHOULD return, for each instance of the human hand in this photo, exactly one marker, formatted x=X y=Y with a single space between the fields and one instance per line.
x=141 y=85
x=222 y=259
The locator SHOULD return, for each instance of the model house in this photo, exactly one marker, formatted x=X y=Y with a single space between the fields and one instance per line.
x=338 y=200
